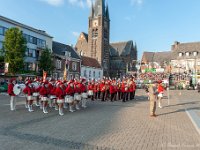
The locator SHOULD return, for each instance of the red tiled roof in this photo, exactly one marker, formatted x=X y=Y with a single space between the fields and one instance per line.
x=90 y=62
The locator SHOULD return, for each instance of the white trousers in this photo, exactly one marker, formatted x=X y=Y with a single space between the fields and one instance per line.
x=12 y=103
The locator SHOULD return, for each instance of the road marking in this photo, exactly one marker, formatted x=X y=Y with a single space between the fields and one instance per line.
x=194 y=118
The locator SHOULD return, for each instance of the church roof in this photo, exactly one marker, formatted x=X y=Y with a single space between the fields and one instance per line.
x=59 y=49
x=90 y=62
x=86 y=35
x=121 y=48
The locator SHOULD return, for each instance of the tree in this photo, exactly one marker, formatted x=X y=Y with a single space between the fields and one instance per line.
x=15 y=47
x=45 y=62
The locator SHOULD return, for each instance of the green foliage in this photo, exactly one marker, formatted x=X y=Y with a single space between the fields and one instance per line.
x=15 y=46
x=45 y=62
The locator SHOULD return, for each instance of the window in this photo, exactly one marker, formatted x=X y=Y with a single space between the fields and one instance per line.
x=74 y=66
x=58 y=64
x=89 y=73
x=198 y=63
x=68 y=54
x=195 y=53
x=180 y=54
x=85 y=73
x=41 y=43
x=187 y=54
x=94 y=74
x=99 y=74
x=30 y=52
x=1 y=30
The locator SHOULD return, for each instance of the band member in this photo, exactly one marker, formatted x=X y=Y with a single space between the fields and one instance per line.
x=60 y=94
x=77 y=95
x=119 y=92
x=124 y=89
x=36 y=92
x=44 y=96
x=70 y=92
x=12 y=95
x=96 y=90
x=103 y=90
x=28 y=90
x=91 y=90
x=107 y=91
x=113 y=91
x=160 y=93
x=84 y=92
x=132 y=89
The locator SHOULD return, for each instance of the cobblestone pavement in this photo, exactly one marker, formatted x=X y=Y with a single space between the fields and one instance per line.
x=103 y=125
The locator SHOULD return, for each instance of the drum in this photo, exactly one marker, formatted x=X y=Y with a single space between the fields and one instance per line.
x=69 y=99
x=84 y=95
x=52 y=97
x=60 y=101
x=77 y=97
x=44 y=99
x=90 y=93
x=18 y=88
x=35 y=94
x=29 y=98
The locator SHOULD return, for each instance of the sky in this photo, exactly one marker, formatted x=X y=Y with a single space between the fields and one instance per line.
x=153 y=24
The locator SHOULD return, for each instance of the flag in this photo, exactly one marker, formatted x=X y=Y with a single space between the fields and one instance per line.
x=44 y=75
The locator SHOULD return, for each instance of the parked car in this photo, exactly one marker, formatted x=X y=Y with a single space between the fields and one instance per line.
x=3 y=86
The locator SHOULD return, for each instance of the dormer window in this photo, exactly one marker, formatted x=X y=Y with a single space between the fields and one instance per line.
x=68 y=54
x=180 y=54
x=187 y=53
x=195 y=53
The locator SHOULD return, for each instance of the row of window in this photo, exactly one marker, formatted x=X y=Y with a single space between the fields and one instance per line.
x=59 y=65
x=33 y=40
x=30 y=52
x=30 y=39
x=90 y=74
x=3 y=30
x=188 y=54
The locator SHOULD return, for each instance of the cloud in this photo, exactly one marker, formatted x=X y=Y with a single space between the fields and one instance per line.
x=137 y=2
x=76 y=34
x=54 y=2
x=77 y=3
x=81 y=3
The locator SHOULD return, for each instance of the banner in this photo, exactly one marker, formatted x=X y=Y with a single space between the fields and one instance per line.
x=44 y=75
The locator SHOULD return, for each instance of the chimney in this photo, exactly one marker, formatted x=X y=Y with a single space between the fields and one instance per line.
x=175 y=46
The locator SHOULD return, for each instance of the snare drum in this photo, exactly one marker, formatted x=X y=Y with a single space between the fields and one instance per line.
x=36 y=94
x=52 y=97
x=60 y=101
x=29 y=98
x=77 y=97
x=44 y=99
x=84 y=95
x=90 y=93
x=69 y=99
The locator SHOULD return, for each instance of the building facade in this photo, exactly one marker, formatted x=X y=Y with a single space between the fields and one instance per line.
x=96 y=44
x=64 y=56
x=91 y=69
x=37 y=40
x=186 y=57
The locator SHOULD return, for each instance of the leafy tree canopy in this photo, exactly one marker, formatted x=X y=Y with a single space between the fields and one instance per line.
x=15 y=47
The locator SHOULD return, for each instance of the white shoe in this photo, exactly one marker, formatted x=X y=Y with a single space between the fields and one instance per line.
x=45 y=111
x=26 y=106
x=77 y=107
x=61 y=112
x=71 y=109
x=56 y=107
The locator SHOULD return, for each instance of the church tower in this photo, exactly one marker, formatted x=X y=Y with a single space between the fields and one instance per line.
x=99 y=34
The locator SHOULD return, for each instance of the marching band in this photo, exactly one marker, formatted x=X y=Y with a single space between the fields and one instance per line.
x=71 y=94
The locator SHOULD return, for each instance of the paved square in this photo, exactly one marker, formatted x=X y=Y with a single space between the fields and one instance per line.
x=123 y=126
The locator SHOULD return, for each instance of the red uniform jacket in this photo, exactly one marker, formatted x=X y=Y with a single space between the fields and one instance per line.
x=112 y=89
x=28 y=90
x=102 y=87
x=160 y=88
x=69 y=90
x=83 y=88
x=44 y=91
x=60 y=94
x=10 y=89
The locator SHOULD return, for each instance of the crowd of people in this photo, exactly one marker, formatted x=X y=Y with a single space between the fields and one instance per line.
x=71 y=94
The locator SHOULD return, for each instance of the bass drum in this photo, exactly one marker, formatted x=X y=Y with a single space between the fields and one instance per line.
x=69 y=99
x=18 y=89
x=35 y=85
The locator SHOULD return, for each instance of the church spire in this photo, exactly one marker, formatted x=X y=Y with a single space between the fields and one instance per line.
x=92 y=11
x=99 y=8
x=107 y=12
